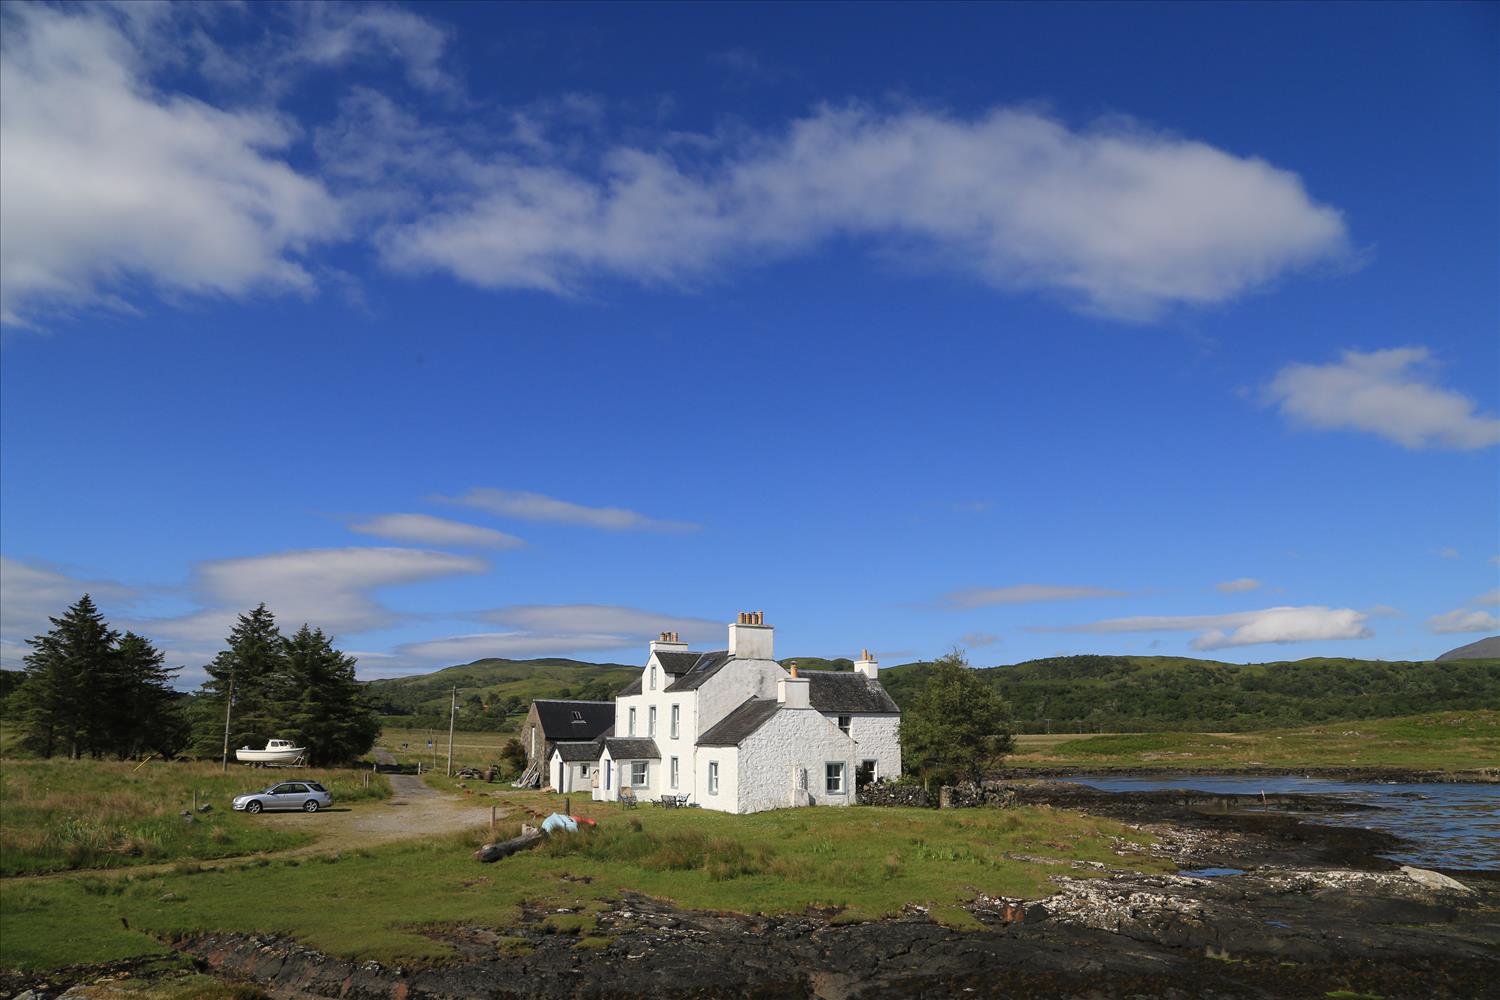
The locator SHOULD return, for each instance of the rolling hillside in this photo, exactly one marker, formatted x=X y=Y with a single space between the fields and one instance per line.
x=1153 y=693
x=493 y=693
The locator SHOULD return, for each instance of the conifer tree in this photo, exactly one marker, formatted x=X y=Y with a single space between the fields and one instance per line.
x=253 y=670
x=64 y=699
x=329 y=714
x=149 y=718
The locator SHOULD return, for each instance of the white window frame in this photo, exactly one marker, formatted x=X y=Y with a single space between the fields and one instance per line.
x=845 y=723
x=651 y=722
x=645 y=778
x=713 y=777
x=632 y=722
x=676 y=720
x=653 y=678
x=674 y=772
x=829 y=774
x=874 y=769
x=583 y=770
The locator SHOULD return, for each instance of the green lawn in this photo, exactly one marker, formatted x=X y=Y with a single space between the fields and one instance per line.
x=380 y=903
x=1443 y=741
x=65 y=814
x=469 y=748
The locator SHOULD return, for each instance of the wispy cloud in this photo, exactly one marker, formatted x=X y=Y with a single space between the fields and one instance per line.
x=537 y=507
x=1024 y=593
x=1392 y=393
x=1120 y=220
x=331 y=588
x=424 y=529
x=1470 y=618
x=975 y=640
x=30 y=594
x=625 y=623
x=110 y=183
x=1244 y=628
x=1241 y=585
x=1447 y=552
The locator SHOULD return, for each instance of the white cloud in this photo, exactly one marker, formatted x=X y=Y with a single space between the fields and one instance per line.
x=1448 y=552
x=1391 y=393
x=1488 y=599
x=330 y=588
x=424 y=529
x=1025 y=593
x=337 y=34
x=536 y=507
x=1464 y=620
x=627 y=625
x=1238 y=586
x=974 y=640
x=1117 y=219
x=31 y=594
x=111 y=184
x=1244 y=628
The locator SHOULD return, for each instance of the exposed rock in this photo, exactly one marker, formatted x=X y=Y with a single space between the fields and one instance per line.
x=1433 y=880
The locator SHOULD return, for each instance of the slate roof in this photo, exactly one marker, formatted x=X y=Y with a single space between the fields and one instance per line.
x=632 y=748
x=846 y=693
x=634 y=687
x=676 y=663
x=577 y=751
x=734 y=727
x=558 y=722
x=705 y=667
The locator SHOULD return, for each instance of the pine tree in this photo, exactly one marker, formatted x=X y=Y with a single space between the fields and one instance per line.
x=329 y=714
x=151 y=719
x=253 y=670
x=69 y=681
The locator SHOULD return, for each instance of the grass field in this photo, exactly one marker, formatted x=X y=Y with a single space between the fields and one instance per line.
x=383 y=903
x=1447 y=741
x=67 y=814
x=469 y=749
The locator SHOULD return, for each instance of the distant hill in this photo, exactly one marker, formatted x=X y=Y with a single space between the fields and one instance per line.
x=1152 y=693
x=1484 y=649
x=493 y=693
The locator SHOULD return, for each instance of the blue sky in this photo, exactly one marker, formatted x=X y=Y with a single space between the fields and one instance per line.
x=468 y=330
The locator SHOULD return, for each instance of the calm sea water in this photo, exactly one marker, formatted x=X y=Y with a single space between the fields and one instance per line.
x=1446 y=825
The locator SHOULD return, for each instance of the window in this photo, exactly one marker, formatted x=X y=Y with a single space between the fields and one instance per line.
x=674 y=772
x=867 y=773
x=638 y=773
x=651 y=721
x=653 y=678
x=676 y=719
x=583 y=770
x=609 y=772
x=844 y=724
x=533 y=741
x=577 y=716
x=713 y=777
x=834 y=778
x=631 y=731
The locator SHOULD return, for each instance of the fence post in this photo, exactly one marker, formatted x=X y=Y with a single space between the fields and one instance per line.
x=492 y=823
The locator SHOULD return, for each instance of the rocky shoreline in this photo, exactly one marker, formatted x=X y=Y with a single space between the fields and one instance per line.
x=1399 y=775
x=1314 y=911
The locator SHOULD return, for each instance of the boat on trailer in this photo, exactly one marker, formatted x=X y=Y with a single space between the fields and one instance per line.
x=278 y=753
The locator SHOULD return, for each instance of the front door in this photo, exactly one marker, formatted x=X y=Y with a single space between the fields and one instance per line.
x=560 y=766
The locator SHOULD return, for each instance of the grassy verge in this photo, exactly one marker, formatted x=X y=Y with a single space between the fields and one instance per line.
x=386 y=903
x=1442 y=741
x=409 y=746
x=67 y=814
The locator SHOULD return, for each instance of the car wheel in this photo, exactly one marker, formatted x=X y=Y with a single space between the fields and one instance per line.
x=254 y=807
x=311 y=805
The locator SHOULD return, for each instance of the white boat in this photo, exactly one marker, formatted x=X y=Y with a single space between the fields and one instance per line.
x=276 y=752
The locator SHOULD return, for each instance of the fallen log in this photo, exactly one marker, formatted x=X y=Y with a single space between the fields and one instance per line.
x=494 y=852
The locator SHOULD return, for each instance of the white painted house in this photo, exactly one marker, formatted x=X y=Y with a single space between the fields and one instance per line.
x=731 y=730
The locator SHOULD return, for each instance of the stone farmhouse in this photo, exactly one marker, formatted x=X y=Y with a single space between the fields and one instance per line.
x=731 y=730
x=553 y=721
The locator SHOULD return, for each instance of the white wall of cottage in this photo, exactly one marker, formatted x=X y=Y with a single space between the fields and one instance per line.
x=792 y=740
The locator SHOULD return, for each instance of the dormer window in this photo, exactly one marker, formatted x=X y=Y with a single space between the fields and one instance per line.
x=577 y=717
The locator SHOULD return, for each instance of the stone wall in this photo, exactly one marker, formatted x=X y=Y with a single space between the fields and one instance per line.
x=886 y=793
x=968 y=795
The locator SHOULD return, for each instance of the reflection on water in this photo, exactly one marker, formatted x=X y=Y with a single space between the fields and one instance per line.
x=1446 y=825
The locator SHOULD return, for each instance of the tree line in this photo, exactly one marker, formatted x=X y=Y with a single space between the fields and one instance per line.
x=89 y=690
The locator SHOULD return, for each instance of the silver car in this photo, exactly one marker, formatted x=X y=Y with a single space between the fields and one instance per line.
x=309 y=796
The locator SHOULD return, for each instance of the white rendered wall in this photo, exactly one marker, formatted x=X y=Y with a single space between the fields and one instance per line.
x=727 y=798
x=876 y=737
x=793 y=738
x=727 y=690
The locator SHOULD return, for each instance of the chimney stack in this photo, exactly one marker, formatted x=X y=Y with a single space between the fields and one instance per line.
x=750 y=638
x=668 y=643
x=792 y=691
x=867 y=665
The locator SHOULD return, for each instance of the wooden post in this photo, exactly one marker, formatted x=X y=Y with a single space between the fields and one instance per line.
x=492 y=822
x=195 y=800
x=452 y=714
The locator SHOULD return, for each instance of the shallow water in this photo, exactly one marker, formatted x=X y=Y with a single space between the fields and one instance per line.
x=1447 y=825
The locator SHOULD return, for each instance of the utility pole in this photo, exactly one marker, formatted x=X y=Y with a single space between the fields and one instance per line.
x=228 y=706
x=452 y=714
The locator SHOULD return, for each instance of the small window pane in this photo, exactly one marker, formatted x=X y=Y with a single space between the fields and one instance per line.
x=713 y=777
x=844 y=724
x=638 y=773
x=651 y=721
x=835 y=778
